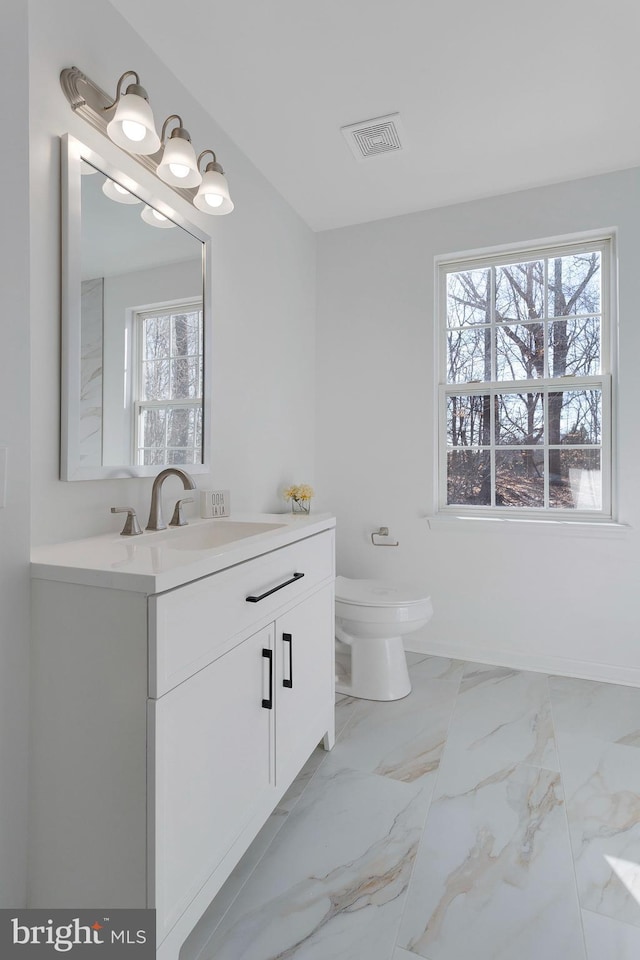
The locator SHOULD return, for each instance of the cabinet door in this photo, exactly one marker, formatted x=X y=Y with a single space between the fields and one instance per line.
x=211 y=743
x=304 y=681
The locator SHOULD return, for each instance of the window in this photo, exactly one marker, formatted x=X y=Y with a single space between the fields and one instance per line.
x=168 y=385
x=525 y=392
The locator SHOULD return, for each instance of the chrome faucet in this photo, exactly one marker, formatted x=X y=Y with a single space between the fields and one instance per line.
x=156 y=520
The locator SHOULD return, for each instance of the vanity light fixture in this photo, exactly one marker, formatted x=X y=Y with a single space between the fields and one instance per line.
x=213 y=193
x=132 y=125
x=118 y=193
x=178 y=167
x=156 y=219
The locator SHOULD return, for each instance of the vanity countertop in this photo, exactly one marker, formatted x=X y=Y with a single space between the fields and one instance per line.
x=155 y=562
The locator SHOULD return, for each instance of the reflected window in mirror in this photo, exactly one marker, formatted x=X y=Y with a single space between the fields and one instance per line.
x=168 y=384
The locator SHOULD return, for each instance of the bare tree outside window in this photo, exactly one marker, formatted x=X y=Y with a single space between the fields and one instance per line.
x=525 y=389
x=169 y=396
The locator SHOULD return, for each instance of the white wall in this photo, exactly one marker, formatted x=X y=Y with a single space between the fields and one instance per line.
x=263 y=288
x=14 y=434
x=534 y=600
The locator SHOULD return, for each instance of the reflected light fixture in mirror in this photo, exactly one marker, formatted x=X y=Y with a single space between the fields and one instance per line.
x=132 y=127
x=118 y=193
x=156 y=219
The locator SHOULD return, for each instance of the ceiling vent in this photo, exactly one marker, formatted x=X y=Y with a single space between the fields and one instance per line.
x=372 y=138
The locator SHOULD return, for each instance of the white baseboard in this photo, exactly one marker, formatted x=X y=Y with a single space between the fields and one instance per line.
x=558 y=666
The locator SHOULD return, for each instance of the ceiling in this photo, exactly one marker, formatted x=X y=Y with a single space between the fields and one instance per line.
x=494 y=96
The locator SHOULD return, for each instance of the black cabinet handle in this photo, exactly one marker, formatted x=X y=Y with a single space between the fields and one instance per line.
x=287 y=638
x=268 y=655
x=295 y=577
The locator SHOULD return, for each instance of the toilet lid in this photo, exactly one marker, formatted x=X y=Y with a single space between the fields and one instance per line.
x=378 y=593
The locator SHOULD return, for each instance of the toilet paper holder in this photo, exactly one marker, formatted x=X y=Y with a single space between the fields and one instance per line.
x=383 y=532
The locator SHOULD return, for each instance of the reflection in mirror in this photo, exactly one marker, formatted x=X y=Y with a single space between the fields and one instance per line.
x=140 y=343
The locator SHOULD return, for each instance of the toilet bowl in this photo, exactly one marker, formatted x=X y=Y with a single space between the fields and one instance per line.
x=372 y=617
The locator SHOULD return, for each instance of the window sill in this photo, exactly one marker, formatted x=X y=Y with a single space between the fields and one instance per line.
x=596 y=529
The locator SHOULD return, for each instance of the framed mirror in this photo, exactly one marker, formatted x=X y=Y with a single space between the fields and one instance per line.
x=135 y=325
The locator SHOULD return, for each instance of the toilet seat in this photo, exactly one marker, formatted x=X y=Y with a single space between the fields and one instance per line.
x=375 y=601
x=378 y=593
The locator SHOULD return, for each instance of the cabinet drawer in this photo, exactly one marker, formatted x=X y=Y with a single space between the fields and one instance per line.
x=193 y=625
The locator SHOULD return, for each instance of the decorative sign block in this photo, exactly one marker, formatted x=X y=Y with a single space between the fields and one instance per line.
x=214 y=503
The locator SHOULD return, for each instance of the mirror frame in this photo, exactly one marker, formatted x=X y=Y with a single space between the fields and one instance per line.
x=73 y=151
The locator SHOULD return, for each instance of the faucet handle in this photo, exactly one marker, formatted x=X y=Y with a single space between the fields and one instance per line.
x=178 y=520
x=131 y=526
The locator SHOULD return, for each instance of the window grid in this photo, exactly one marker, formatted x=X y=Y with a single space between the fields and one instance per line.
x=598 y=383
x=166 y=452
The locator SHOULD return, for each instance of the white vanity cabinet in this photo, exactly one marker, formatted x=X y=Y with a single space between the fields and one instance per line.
x=167 y=726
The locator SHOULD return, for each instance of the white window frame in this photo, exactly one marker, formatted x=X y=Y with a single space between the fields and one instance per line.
x=166 y=308
x=605 y=380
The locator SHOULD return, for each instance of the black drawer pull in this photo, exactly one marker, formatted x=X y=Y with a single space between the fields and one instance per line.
x=268 y=655
x=295 y=577
x=287 y=638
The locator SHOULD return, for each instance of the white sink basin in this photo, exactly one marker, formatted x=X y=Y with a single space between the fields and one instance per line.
x=215 y=533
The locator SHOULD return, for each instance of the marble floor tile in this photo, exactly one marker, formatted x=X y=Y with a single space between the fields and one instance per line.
x=413 y=658
x=301 y=782
x=400 y=954
x=401 y=739
x=607 y=711
x=493 y=879
x=332 y=884
x=502 y=718
x=345 y=709
x=437 y=668
x=602 y=787
x=609 y=939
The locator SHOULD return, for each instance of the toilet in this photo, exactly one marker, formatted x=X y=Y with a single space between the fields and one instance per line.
x=372 y=617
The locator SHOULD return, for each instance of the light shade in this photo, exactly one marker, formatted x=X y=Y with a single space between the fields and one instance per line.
x=132 y=126
x=178 y=166
x=213 y=193
x=156 y=219
x=115 y=192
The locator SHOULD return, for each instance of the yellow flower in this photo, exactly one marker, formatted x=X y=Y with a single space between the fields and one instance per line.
x=300 y=491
